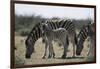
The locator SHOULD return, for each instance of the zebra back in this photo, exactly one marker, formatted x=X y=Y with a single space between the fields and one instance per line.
x=64 y=23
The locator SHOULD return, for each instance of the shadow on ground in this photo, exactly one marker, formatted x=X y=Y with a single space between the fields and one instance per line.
x=70 y=58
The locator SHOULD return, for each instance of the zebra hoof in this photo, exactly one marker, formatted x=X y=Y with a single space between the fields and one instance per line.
x=15 y=48
x=43 y=57
x=73 y=56
x=63 y=56
x=49 y=56
x=53 y=56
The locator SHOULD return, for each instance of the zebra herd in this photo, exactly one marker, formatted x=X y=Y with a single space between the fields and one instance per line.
x=62 y=30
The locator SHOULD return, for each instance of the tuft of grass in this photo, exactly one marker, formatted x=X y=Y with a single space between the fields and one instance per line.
x=19 y=61
x=90 y=59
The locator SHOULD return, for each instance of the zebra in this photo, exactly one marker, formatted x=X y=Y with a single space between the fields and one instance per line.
x=68 y=25
x=85 y=32
x=50 y=35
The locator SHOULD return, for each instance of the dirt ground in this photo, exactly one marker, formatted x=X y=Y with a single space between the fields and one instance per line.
x=36 y=57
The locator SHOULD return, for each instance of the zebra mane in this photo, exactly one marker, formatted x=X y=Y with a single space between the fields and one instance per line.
x=34 y=29
x=86 y=30
x=36 y=26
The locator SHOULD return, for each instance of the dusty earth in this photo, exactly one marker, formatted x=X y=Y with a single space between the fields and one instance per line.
x=36 y=57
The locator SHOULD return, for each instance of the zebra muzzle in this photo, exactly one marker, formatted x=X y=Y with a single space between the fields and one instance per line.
x=28 y=56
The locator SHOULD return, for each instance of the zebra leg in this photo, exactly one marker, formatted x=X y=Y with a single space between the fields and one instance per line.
x=67 y=40
x=46 y=45
x=73 y=49
x=43 y=39
x=65 y=50
x=73 y=41
x=89 y=47
x=90 y=53
x=50 y=50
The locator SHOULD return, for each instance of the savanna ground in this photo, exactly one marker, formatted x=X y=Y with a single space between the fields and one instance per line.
x=36 y=57
x=23 y=26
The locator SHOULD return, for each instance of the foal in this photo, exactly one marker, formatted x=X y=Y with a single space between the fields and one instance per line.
x=50 y=35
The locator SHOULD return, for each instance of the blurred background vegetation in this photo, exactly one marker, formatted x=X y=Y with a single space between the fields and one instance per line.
x=24 y=23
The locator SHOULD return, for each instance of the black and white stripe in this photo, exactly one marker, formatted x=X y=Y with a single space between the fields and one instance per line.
x=34 y=35
x=85 y=32
x=68 y=25
x=50 y=35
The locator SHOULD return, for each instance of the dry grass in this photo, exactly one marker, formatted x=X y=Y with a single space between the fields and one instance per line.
x=36 y=57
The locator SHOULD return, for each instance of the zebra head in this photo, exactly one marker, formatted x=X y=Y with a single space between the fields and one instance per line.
x=29 y=48
x=44 y=27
